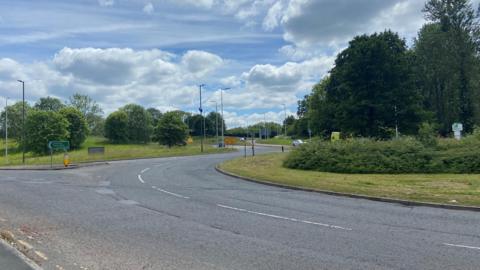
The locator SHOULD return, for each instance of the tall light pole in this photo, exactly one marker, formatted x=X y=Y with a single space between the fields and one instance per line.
x=265 y=125
x=6 y=129
x=216 y=118
x=203 y=119
x=285 y=121
x=23 y=120
x=223 y=119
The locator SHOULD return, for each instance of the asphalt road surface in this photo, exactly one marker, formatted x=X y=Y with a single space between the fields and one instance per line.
x=8 y=260
x=179 y=213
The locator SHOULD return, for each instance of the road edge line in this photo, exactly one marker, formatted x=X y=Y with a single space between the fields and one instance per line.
x=349 y=195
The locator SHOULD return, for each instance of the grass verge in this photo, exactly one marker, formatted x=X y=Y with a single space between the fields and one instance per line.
x=112 y=152
x=458 y=189
x=277 y=141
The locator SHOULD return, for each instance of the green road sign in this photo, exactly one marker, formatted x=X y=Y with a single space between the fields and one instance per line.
x=59 y=145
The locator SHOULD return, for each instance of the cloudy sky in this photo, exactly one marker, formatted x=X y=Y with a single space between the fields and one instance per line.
x=156 y=52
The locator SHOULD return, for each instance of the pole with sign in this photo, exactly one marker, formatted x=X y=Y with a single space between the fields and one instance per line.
x=457 y=130
x=59 y=146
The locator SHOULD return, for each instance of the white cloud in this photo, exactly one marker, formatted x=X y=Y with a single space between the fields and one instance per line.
x=149 y=8
x=201 y=63
x=106 y=3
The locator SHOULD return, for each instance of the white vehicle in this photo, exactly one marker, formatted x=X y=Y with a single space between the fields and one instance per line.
x=296 y=143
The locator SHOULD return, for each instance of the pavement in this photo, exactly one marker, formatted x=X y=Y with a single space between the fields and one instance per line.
x=9 y=260
x=179 y=213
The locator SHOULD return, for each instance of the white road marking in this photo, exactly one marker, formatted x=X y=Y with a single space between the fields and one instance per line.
x=145 y=170
x=461 y=246
x=140 y=179
x=173 y=194
x=284 y=218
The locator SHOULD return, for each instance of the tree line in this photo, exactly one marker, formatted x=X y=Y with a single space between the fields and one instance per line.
x=378 y=83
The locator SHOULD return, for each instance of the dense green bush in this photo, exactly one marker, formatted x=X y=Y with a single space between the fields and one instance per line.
x=77 y=126
x=406 y=155
x=171 y=130
x=116 y=127
x=42 y=127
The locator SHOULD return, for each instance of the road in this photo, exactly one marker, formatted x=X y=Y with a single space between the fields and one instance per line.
x=8 y=260
x=179 y=213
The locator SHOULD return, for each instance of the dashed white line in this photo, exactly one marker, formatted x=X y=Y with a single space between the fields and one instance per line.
x=461 y=246
x=145 y=170
x=171 y=193
x=284 y=218
x=140 y=179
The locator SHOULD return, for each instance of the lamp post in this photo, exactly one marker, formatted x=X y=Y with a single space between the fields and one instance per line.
x=23 y=120
x=285 y=121
x=203 y=119
x=223 y=119
x=6 y=129
x=216 y=118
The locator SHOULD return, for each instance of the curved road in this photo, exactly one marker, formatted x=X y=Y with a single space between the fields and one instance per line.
x=179 y=213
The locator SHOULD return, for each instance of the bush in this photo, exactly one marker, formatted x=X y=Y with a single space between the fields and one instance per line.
x=42 y=127
x=77 y=126
x=406 y=155
x=427 y=135
x=116 y=129
x=139 y=127
x=171 y=130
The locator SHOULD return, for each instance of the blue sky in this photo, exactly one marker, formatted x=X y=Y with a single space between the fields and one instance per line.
x=156 y=52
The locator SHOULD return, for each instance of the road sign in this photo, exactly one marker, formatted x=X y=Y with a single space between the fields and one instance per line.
x=230 y=140
x=59 y=145
x=190 y=140
x=335 y=136
x=457 y=127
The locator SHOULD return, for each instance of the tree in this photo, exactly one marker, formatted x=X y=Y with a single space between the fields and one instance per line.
x=91 y=111
x=447 y=64
x=138 y=124
x=42 y=127
x=371 y=88
x=195 y=124
x=171 y=130
x=155 y=115
x=211 y=120
x=15 y=123
x=49 y=104
x=77 y=126
x=116 y=127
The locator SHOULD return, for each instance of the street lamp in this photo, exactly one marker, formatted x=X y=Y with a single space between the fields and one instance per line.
x=285 y=121
x=216 y=118
x=223 y=119
x=201 y=113
x=23 y=120
x=6 y=129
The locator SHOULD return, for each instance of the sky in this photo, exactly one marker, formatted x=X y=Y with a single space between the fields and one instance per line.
x=156 y=52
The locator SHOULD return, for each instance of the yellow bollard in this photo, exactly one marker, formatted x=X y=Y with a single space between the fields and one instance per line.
x=66 y=160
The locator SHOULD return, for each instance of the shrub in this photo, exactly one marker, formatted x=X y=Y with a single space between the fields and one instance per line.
x=171 y=130
x=77 y=126
x=406 y=155
x=427 y=135
x=139 y=127
x=116 y=129
x=42 y=127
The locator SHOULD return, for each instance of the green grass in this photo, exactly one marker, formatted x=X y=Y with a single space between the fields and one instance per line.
x=436 y=188
x=277 y=141
x=112 y=152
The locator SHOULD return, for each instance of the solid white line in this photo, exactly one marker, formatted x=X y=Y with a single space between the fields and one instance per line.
x=145 y=170
x=140 y=179
x=284 y=218
x=461 y=246
x=173 y=194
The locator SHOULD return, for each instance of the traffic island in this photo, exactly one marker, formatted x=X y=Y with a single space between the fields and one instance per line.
x=451 y=191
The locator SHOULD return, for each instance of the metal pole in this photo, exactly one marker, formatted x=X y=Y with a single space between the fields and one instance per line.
x=6 y=130
x=201 y=113
x=265 y=125
x=216 y=119
x=223 y=119
x=285 y=122
x=23 y=120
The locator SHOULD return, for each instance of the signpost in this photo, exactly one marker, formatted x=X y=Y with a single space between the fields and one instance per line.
x=457 y=130
x=59 y=146
x=335 y=136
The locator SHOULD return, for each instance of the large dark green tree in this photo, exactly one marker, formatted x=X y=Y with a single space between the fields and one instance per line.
x=171 y=130
x=139 y=123
x=116 y=127
x=42 y=127
x=49 y=104
x=77 y=126
x=447 y=64
x=371 y=88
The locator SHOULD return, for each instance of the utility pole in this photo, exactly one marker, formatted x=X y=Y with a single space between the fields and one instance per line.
x=265 y=125
x=6 y=130
x=285 y=122
x=223 y=119
x=201 y=113
x=23 y=120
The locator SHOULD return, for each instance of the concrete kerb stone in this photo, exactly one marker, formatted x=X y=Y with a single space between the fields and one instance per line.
x=354 y=196
x=22 y=250
x=54 y=168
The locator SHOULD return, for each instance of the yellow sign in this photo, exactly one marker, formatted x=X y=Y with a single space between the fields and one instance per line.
x=230 y=140
x=189 y=140
x=335 y=136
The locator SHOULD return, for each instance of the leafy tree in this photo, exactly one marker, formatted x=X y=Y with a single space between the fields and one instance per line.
x=42 y=127
x=15 y=123
x=155 y=115
x=49 y=104
x=138 y=124
x=116 y=127
x=211 y=120
x=195 y=124
x=371 y=88
x=171 y=130
x=77 y=126
x=91 y=111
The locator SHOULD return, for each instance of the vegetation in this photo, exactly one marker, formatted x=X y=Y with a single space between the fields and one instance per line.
x=42 y=127
x=49 y=104
x=461 y=189
x=77 y=126
x=91 y=111
x=139 y=123
x=171 y=130
x=116 y=127
x=405 y=155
